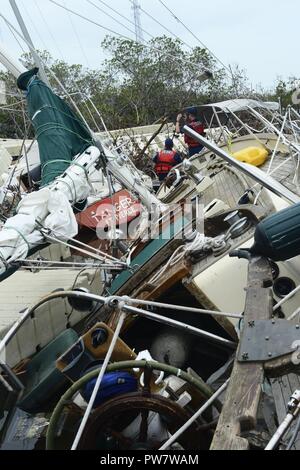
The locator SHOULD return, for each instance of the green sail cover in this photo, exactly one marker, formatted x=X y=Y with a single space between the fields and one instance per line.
x=60 y=133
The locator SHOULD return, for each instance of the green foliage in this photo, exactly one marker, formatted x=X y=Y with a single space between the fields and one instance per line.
x=284 y=91
x=136 y=85
x=158 y=80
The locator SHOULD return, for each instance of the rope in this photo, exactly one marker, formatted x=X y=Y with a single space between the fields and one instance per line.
x=73 y=117
x=71 y=163
x=198 y=244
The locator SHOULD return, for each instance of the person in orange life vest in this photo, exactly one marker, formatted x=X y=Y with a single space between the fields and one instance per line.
x=191 y=121
x=166 y=159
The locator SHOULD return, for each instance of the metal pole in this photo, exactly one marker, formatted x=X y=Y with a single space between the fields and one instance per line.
x=286 y=141
x=220 y=125
x=195 y=417
x=27 y=36
x=99 y=380
x=293 y=412
x=137 y=21
x=268 y=182
x=280 y=432
x=181 y=326
x=180 y=308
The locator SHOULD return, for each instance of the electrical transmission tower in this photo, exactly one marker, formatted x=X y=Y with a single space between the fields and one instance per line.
x=137 y=20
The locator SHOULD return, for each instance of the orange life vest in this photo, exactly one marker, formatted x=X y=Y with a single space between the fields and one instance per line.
x=165 y=161
x=197 y=126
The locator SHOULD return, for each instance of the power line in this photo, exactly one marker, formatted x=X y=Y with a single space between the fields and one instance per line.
x=197 y=39
x=110 y=16
x=78 y=38
x=48 y=29
x=34 y=26
x=89 y=20
x=125 y=18
x=16 y=38
x=164 y=27
x=49 y=68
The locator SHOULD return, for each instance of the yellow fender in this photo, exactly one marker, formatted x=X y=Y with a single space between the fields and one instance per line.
x=253 y=155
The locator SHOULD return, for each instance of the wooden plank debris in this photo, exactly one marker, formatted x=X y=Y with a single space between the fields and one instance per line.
x=244 y=391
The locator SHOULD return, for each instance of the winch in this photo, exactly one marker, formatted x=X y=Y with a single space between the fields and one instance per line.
x=278 y=237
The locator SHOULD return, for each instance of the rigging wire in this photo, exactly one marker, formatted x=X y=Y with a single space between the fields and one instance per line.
x=49 y=30
x=16 y=38
x=110 y=16
x=106 y=256
x=196 y=37
x=77 y=37
x=125 y=18
x=40 y=262
x=60 y=52
x=67 y=94
x=228 y=69
x=51 y=72
x=120 y=35
x=34 y=26
x=164 y=27
x=89 y=20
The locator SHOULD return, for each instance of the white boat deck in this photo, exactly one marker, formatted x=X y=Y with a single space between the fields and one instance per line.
x=24 y=289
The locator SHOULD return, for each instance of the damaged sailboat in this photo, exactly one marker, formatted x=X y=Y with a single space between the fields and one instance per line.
x=143 y=361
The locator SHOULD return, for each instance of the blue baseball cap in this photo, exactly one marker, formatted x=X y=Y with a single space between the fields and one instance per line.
x=169 y=143
x=192 y=110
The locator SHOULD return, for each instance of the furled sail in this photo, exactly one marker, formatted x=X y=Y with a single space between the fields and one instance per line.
x=60 y=133
x=67 y=157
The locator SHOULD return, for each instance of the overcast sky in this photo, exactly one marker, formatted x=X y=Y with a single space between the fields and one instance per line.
x=261 y=36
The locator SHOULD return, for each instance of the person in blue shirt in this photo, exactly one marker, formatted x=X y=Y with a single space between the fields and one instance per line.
x=166 y=159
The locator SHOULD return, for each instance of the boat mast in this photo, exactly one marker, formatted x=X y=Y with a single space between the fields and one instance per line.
x=30 y=44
